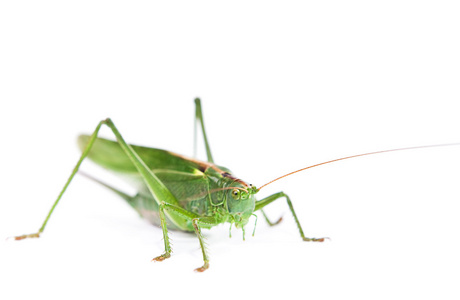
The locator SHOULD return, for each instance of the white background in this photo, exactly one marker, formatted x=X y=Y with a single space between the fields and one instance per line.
x=284 y=85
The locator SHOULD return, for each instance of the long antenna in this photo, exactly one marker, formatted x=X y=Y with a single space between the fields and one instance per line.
x=353 y=156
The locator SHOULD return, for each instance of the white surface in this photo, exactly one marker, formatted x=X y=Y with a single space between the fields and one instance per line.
x=283 y=86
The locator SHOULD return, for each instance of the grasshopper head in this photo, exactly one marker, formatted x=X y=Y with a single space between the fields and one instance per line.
x=241 y=203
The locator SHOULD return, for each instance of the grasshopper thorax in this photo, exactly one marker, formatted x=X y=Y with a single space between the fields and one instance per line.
x=235 y=197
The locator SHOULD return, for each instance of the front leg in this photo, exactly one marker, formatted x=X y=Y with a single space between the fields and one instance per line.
x=197 y=221
x=263 y=202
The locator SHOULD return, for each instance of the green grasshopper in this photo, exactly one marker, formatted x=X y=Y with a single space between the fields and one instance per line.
x=177 y=192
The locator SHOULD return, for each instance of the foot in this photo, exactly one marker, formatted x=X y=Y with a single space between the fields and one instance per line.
x=162 y=257
x=276 y=223
x=306 y=239
x=25 y=236
x=203 y=268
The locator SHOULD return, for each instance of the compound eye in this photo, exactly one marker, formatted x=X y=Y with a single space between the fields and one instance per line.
x=236 y=194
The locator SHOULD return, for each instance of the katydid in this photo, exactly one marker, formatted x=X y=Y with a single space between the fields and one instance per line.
x=177 y=192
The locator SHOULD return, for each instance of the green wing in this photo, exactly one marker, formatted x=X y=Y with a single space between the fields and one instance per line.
x=184 y=186
x=109 y=155
x=184 y=178
x=191 y=190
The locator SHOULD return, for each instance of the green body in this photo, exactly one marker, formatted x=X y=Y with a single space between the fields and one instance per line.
x=190 y=181
x=174 y=191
